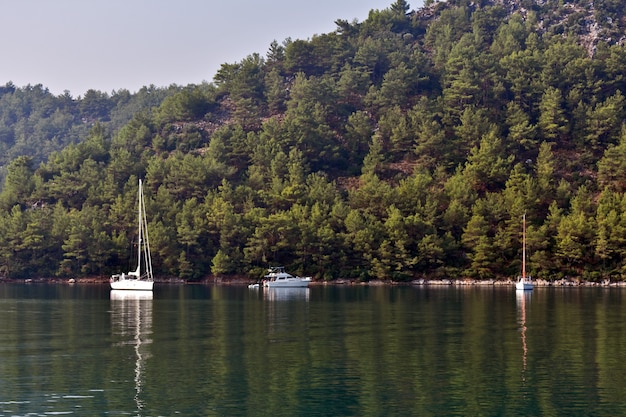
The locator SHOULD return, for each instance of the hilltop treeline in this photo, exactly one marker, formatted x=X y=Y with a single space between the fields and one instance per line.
x=35 y=122
x=407 y=145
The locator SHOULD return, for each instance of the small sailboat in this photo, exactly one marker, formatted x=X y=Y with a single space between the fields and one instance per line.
x=141 y=278
x=524 y=283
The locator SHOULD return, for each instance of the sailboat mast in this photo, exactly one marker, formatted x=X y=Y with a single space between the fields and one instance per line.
x=524 y=248
x=145 y=239
x=143 y=236
x=140 y=228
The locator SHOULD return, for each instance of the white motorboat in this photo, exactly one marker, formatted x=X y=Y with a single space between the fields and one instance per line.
x=138 y=279
x=524 y=283
x=278 y=278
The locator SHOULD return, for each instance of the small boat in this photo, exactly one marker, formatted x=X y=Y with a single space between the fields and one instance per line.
x=524 y=283
x=278 y=278
x=138 y=280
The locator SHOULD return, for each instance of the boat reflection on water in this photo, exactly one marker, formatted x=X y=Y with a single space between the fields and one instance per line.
x=286 y=294
x=523 y=301
x=130 y=295
x=287 y=312
x=131 y=319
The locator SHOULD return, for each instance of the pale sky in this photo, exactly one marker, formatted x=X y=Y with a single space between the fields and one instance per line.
x=77 y=45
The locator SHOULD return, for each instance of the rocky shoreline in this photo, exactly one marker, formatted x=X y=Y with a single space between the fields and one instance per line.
x=418 y=282
x=537 y=283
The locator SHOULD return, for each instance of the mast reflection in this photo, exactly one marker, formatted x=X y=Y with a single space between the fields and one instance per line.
x=131 y=316
x=523 y=300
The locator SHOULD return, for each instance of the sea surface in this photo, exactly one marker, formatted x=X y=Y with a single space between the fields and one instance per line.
x=195 y=350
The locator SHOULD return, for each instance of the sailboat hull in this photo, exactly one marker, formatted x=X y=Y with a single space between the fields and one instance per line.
x=523 y=285
x=132 y=284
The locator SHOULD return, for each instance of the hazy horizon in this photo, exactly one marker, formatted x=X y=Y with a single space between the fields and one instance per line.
x=71 y=45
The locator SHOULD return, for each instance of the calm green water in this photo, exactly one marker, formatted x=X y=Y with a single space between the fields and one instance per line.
x=335 y=351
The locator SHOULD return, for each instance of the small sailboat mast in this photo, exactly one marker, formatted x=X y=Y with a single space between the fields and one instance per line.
x=139 y=227
x=523 y=283
x=524 y=248
x=144 y=242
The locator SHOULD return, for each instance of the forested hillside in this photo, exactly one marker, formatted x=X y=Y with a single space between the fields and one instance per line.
x=408 y=145
x=35 y=123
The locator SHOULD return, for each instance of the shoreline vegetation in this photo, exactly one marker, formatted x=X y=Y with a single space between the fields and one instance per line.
x=341 y=282
x=409 y=145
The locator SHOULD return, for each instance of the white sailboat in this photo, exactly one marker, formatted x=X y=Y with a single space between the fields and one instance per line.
x=141 y=278
x=524 y=283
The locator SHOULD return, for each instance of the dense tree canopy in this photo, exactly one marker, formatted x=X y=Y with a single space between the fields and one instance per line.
x=408 y=145
x=35 y=123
